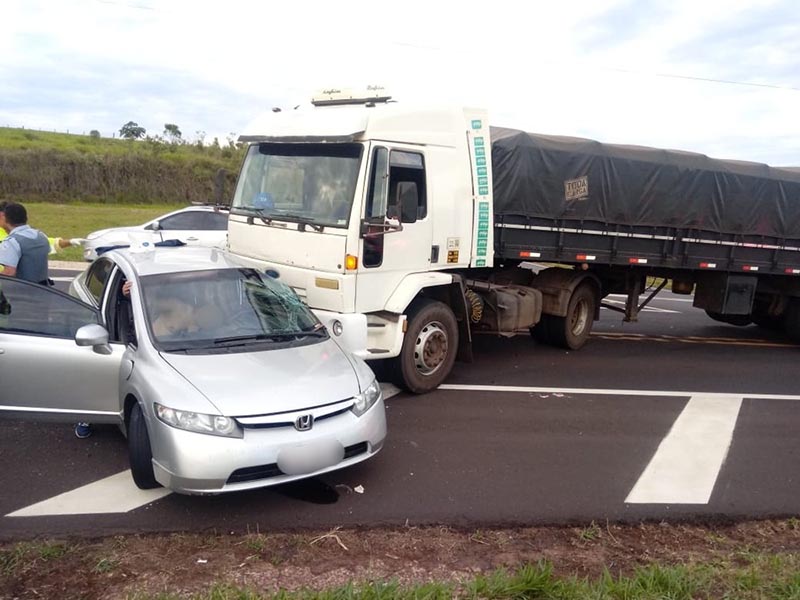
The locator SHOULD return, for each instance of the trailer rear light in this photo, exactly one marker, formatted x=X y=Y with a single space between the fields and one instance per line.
x=637 y=261
x=583 y=257
x=350 y=262
x=706 y=265
x=792 y=271
x=530 y=254
x=749 y=268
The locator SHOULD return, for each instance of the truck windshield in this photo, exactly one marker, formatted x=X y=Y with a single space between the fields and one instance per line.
x=305 y=183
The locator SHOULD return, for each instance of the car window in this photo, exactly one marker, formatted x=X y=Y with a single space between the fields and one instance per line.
x=190 y=219
x=97 y=276
x=215 y=221
x=26 y=308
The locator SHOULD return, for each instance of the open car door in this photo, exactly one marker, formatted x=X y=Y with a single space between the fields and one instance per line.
x=44 y=374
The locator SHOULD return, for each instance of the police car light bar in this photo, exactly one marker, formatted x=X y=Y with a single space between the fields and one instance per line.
x=335 y=96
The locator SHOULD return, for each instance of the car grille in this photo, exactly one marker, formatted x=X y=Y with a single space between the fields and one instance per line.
x=291 y=423
x=272 y=470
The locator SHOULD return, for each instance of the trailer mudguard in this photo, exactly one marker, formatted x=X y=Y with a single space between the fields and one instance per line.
x=557 y=286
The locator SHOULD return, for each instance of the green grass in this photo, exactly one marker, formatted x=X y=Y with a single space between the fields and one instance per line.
x=79 y=219
x=652 y=582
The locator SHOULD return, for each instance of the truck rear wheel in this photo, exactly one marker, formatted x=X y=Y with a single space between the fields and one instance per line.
x=791 y=321
x=738 y=320
x=768 y=322
x=571 y=331
x=429 y=347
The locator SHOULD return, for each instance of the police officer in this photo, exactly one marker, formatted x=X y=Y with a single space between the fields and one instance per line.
x=23 y=253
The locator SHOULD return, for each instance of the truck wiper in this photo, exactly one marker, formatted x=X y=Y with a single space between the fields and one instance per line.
x=258 y=211
x=301 y=220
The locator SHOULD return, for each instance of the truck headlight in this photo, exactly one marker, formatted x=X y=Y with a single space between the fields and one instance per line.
x=198 y=422
x=367 y=398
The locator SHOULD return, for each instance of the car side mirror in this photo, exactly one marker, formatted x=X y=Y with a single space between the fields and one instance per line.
x=93 y=335
x=154 y=226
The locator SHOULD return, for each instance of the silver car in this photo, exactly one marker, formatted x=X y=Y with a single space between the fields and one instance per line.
x=194 y=225
x=220 y=376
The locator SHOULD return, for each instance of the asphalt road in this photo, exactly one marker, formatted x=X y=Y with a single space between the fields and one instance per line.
x=527 y=434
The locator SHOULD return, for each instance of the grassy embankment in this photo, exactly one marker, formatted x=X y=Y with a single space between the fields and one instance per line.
x=58 y=167
x=74 y=184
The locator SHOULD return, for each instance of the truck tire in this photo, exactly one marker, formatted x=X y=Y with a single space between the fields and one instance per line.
x=429 y=347
x=791 y=320
x=572 y=331
x=768 y=322
x=738 y=320
x=140 y=454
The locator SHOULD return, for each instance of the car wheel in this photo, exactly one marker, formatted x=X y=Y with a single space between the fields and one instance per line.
x=140 y=454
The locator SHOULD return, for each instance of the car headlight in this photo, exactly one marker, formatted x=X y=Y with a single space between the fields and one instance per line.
x=198 y=422
x=365 y=400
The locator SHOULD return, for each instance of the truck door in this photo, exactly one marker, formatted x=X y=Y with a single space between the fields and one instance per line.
x=397 y=232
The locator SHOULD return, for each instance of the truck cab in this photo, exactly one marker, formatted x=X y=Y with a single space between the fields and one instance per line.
x=364 y=206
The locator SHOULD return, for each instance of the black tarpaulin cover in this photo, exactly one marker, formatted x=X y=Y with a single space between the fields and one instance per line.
x=556 y=177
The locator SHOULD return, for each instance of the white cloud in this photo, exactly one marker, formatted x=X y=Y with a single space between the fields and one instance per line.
x=580 y=67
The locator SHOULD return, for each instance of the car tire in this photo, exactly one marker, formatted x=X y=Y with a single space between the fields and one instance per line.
x=140 y=454
x=429 y=347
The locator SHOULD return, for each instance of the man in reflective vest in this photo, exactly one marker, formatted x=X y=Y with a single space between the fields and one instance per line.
x=23 y=254
x=56 y=243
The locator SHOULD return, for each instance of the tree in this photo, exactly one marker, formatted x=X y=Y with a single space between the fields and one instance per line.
x=172 y=132
x=132 y=131
x=94 y=134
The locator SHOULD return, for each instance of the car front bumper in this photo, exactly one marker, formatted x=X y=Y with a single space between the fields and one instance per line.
x=195 y=463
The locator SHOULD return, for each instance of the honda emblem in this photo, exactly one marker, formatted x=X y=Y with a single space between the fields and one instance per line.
x=304 y=422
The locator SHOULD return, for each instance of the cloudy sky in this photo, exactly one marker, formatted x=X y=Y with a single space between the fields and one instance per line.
x=721 y=77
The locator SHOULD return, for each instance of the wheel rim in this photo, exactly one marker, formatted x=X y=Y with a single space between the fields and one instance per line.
x=580 y=317
x=430 y=351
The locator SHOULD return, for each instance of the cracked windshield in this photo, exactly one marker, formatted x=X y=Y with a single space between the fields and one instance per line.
x=220 y=307
x=303 y=183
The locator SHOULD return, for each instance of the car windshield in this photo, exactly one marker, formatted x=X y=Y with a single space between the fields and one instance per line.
x=305 y=183
x=224 y=308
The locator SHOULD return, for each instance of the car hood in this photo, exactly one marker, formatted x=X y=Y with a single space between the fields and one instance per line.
x=270 y=381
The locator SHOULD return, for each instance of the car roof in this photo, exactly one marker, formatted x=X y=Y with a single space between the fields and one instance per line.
x=160 y=260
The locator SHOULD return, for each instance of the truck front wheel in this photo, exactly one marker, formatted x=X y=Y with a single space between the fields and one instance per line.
x=429 y=346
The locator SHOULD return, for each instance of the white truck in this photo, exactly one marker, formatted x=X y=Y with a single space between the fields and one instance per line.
x=390 y=222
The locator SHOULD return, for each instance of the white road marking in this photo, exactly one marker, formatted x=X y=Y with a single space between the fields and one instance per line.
x=389 y=390
x=647 y=308
x=115 y=494
x=659 y=298
x=521 y=389
x=685 y=467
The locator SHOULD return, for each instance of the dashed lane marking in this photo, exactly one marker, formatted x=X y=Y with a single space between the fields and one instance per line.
x=648 y=308
x=685 y=467
x=692 y=339
x=523 y=389
x=114 y=494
